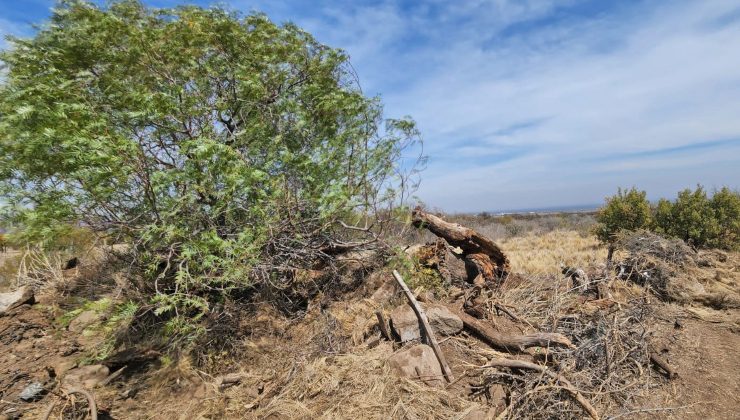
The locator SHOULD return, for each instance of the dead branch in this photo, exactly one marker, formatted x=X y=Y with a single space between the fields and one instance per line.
x=510 y=342
x=655 y=358
x=383 y=325
x=520 y=364
x=92 y=406
x=427 y=328
x=230 y=379
x=482 y=256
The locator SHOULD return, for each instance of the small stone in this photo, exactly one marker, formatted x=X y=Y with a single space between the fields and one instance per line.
x=85 y=377
x=405 y=323
x=418 y=361
x=32 y=392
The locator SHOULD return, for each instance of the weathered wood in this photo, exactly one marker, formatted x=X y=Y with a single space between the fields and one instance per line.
x=655 y=358
x=427 y=328
x=483 y=258
x=521 y=364
x=510 y=342
x=383 y=325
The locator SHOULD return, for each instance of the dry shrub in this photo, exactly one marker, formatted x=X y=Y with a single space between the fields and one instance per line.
x=675 y=272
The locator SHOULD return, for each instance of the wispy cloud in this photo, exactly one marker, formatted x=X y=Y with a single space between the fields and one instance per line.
x=544 y=102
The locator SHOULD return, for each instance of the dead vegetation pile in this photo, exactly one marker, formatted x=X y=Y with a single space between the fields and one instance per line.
x=567 y=346
x=676 y=272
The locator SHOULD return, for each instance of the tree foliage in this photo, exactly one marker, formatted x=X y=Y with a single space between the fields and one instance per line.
x=693 y=217
x=216 y=144
x=627 y=210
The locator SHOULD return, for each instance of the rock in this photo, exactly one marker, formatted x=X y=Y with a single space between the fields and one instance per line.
x=63 y=367
x=84 y=320
x=386 y=291
x=406 y=325
x=417 y=361
x=85 y=376
x=12 y=300
x=498 y=399
x=32 y=392
x=476 y=414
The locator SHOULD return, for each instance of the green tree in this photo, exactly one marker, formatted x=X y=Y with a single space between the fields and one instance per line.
x=627 y=210
x=663 y=216
x=725 y=204
x=224 y=148
x=693 y=217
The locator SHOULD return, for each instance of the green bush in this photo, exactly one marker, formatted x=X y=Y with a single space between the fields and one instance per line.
x=627 y=210
x=692 y=217
x=726 y=206
x=224 y=148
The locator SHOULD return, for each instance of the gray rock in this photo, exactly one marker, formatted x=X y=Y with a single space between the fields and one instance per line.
x=85 y=376
x=84 y=320
x=406 y=324
x=12 y=300
x=418 y=361
x=32 y=392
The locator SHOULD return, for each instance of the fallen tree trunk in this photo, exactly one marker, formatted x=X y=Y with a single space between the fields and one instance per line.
x=427 y=328
x=520 y=364
x=484 y=260
x=510 y=343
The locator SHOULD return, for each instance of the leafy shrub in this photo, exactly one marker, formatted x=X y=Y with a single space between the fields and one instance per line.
x=693 y=217
x=225 y=149
x=627 y=210
x=726 y=206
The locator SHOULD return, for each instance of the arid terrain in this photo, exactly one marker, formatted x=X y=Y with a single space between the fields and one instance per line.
x=331 y=360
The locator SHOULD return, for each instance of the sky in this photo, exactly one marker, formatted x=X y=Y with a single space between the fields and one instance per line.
x=534 y=103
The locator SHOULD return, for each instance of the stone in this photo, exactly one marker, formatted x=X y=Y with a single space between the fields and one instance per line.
x=418 y=361
x=12 y=300
x=85 y=377
x=32 y=392
x=63 y=367
x=498 y=399
x=84 y=320
x=405 y=323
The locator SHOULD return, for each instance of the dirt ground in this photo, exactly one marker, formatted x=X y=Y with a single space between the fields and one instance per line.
x=328 y=364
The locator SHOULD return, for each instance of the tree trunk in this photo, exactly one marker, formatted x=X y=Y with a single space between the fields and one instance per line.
x=484 y=260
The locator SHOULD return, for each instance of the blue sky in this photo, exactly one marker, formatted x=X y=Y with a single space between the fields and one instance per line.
x=535 y=103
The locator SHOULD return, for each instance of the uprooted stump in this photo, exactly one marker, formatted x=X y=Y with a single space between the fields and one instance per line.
x=484 y=260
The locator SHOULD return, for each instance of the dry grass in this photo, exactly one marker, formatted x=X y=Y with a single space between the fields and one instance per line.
x=541 y=254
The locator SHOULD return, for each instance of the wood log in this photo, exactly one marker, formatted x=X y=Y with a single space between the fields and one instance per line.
x=482 y=256
x=659 y=361
x=510 y=343
x=427 y=328
x=521 y=364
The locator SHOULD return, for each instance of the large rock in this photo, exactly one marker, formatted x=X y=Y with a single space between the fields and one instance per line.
x=12 y=300
x=406 y=324
x=418 y=361
x=85 y=376
x=84 y=320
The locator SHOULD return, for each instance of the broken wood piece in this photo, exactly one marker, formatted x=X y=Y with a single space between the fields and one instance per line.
x=484 y=260
x=655 y=358
x=111 y=377
x=383 y=325
x=521 y=364
x=510 y=342
x=229 y=379
x=427 y=328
